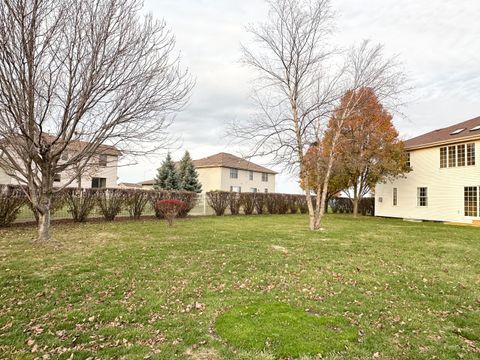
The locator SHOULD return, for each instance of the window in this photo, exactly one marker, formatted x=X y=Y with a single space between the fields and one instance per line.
x=253 y=190
x=395 y=196
x=57 y=178
x=422 y=196
x=250 y=175
x=233 y=173
x=452 y=156
x=471 y=201
x=470 y=154
x=98 y=183
x=461 y=155
x=102 y=160
x=65 y=156
x=476 y=128
x=266 y=191
x=443 y=157
x=236 y=189
x=265 y=177
x=408 y=159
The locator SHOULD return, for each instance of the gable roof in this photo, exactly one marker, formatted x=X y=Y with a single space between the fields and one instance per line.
x=130 y=185
x=230 y=161
x=73 y=145
x=450 y=134
x=147 y=183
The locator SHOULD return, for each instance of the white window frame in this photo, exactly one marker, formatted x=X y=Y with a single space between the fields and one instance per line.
x=233 y=173
x=99 y=179
x=477 y=189
x=102 y=160
x=419 y=196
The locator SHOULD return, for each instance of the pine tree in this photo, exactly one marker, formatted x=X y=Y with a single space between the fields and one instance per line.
x=188 y=175
x=167 y=177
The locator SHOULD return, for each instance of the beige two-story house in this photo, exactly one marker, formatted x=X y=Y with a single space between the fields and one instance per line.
x=101 y=173
x=228 y=172
x=444 y=184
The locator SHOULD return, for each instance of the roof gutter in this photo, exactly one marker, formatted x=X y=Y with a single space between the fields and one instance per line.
x=444 y=142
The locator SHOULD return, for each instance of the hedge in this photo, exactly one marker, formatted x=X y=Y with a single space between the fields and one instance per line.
x=81 y=202
x=12 y=199
x=256 y=203
x=345 y=206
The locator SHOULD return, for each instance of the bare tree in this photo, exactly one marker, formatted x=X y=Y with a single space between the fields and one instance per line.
x=300 y=85
x=77 y=76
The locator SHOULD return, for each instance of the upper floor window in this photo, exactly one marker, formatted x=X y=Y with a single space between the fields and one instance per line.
x=57 y=178
x=233 y=173
x=443 y=157
x=452 y=156
x=250 y=175
x=457 y=155
x=470 y=154
x=264 y=177
x=461 y=155
x=422 y=196
x=408 y=159
x=102 y=160
x=65 y=156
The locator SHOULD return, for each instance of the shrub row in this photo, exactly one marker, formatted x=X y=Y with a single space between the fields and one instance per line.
x=81 y=203
x=259 y=203
x=345 y=206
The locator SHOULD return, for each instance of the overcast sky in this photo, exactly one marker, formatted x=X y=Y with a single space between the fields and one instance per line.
x=438 y=43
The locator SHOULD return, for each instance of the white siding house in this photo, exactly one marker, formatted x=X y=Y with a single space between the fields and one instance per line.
x=444 y=184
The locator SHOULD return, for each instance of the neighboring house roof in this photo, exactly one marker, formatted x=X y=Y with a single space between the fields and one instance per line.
x=130 y=185
x=147 y=183
x=77 y=145
x=464 y=131
x=230 y=161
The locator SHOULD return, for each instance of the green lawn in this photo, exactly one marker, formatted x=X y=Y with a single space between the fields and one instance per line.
x=143 y=290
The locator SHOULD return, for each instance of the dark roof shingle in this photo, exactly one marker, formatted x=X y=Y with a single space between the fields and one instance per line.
x=230 y=161
x=444 y=135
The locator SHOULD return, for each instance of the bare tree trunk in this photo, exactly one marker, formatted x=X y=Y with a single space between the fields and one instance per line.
x=323 y=199
x=355 y=206
x=44 y=218
x=355 y=200
x=44 y=227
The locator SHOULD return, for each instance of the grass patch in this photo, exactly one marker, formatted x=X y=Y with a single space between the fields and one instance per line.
x=135 y=289
x=284 y=330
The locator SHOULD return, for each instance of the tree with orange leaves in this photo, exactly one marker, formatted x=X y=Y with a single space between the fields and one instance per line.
x=368 y=149
x=314 y=170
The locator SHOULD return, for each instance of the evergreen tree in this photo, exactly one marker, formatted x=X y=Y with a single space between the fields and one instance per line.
x=188 y=175
x=167 y=177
